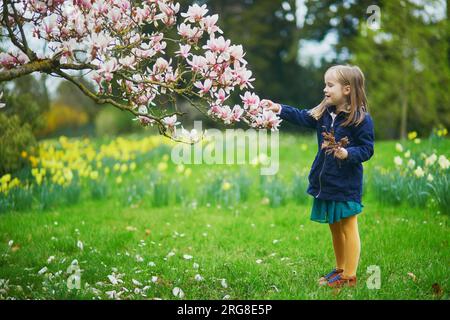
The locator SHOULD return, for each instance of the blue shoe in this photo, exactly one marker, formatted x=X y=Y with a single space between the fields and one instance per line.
x=338 y=281
x=324 y=279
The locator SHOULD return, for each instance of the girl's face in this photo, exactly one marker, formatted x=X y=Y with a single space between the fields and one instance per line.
x=335 y=93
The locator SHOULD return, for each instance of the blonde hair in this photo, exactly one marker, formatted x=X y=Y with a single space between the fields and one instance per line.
x=351 y=76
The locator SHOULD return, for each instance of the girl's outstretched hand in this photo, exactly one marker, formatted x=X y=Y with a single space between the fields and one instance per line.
x=270 y=105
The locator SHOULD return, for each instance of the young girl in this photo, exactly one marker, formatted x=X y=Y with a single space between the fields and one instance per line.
x=336 y=179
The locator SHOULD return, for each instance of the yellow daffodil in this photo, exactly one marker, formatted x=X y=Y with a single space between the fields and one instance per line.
x=38 y=179
x=441 y=131
x=412 y=135
x=6 y=178
x=180 y=168
x=419 y=172
x=14 y=183
x=398 y=161
x=411 y=164
x=431 y=160
x=162 y=166
x=94 y=175
x=33 y=161
x=61 y=181
x=226 y=186
x=68 y=174
x=444 y=163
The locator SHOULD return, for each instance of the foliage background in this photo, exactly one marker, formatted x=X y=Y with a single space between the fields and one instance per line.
x=406 y=63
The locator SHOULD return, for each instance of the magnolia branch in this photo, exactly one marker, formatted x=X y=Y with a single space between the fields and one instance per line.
x=31 y=55
x=11 y=34
x=46 y=65
x=161 y=126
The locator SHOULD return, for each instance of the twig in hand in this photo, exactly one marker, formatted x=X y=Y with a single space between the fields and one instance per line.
x=329 y=143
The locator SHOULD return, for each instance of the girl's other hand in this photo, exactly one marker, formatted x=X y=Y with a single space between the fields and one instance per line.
x=341 y=153
x=270 y=105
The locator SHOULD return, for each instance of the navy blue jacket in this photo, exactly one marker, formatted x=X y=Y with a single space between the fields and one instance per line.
x=331 y=178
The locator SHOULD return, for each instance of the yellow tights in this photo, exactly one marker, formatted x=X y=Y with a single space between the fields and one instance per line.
x=346 y=244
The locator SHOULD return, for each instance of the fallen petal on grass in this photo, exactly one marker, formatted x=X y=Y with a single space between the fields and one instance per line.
x=224 y=284
x=177 y=292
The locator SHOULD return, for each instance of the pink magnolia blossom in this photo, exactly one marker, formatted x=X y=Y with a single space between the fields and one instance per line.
x=161 y=65
x=270 y=120
x=217 y=44
x=204 y=87
x=209 y=24
x=171 y=122
x=12 y=59
x=51 y=25
x=168 y=12
x=192 y=34
x=171 y=77
x=184 y=51
x=107 y=69
x=145 y=121
x=221 y=96
x=195 y=13
x=198 y=63
x=237 y=113
x=128 y=62
x=211 y=59
x=226 y=114
x=243 y=77
x=250 y=100
x=237 y=53
x=86 y=4
x=7 y=61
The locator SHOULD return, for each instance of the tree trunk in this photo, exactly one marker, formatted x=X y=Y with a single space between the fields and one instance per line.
x=448 y=30
x=404 y=115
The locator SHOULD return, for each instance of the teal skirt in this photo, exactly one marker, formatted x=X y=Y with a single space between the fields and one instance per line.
x=329 y=211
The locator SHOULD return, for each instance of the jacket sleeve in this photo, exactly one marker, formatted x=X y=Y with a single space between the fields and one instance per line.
x=364 y=142
x=296 y=116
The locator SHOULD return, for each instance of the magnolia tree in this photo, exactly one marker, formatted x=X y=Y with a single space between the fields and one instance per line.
x=122 y=46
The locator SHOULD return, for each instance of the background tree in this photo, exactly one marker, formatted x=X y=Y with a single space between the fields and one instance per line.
x=407 y=69
x=26 y=99
x=341 y=18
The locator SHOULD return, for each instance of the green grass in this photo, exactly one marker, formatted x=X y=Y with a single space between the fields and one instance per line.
x=409 y=245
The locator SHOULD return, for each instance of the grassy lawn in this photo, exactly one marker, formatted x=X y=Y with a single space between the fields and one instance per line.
x=248 y=250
